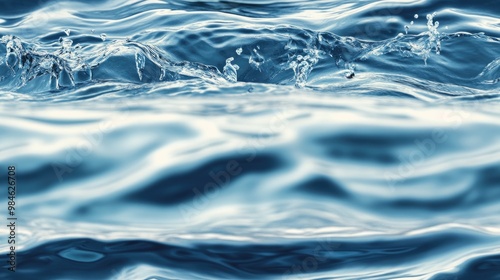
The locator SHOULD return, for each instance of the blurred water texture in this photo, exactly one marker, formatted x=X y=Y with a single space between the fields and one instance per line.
x=252 y=139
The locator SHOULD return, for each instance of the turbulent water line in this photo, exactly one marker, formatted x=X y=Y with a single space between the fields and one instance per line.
x=305 y=50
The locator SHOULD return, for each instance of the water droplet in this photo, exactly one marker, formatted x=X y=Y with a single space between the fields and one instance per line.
x=67 y=31
x=239 y=51
x=230 y=70
x=406 y=29
x=446 y=27
x=415 y=16
x=411 y=22
x=92 y=31
x=103 y=36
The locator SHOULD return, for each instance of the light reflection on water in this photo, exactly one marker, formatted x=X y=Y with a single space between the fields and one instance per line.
x=331 y=145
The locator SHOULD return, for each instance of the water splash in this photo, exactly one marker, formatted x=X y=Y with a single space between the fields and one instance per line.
x=231 y=70
x=421 y=45
x=302 y=65
x=140 y=62
x=434 y=35
x=264 y=147
x=290 y=61
x=256 y=59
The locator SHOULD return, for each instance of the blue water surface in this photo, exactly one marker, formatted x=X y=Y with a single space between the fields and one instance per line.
x=252 y=139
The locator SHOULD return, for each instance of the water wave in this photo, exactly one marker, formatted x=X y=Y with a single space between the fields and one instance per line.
x=252 y=140
x=275 y=55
